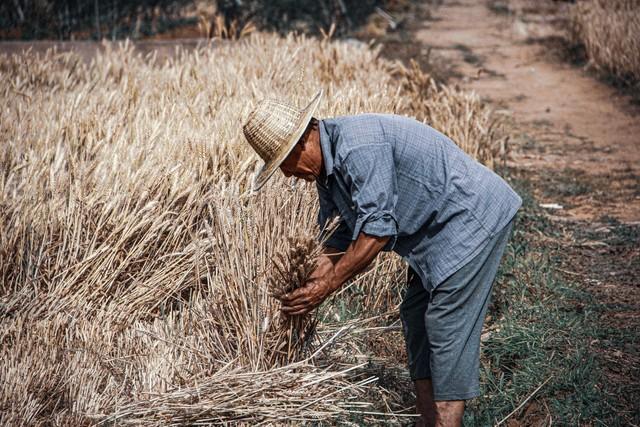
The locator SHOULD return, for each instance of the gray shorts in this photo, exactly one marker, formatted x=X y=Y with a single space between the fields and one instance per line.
x=442 y=327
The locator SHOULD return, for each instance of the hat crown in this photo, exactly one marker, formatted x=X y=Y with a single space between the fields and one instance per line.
x=270 y=126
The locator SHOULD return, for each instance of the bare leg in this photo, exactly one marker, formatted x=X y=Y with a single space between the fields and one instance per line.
x=449 y=413
x=425 y=404
x=442 y=413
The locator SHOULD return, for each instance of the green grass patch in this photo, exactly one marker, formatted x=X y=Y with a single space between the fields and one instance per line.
x=542 y=330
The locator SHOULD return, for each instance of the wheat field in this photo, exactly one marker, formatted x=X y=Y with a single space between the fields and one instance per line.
x=135 y=262
x=609 y=31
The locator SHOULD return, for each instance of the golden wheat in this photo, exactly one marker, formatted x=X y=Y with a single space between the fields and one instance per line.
x=609 y=30
x=290 y=271
x=134 y=262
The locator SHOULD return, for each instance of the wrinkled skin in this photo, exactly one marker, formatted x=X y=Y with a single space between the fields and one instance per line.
x=305 y=160
x=322 y=282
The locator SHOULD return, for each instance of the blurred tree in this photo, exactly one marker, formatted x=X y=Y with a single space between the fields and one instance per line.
x=284 y=15
x=62 y=19
x=94 y=19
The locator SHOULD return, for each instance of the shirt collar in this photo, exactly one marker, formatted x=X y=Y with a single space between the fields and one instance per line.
x=327 y=155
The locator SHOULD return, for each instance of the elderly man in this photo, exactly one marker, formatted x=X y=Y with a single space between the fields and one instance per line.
x=400 y=185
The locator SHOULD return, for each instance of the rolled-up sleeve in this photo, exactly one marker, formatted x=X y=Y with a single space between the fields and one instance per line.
x=341 y=237
x=369 y=171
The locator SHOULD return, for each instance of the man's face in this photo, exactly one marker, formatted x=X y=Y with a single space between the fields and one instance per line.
x=299 y=162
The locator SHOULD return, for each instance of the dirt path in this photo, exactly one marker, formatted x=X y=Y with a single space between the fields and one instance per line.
x=580 y=126
x=578 y=146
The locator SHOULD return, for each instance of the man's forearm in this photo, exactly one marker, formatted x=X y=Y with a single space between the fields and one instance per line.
x=357 y=257
x=334 y=254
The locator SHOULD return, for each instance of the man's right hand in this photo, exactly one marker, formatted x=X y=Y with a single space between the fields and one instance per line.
x=320 y=284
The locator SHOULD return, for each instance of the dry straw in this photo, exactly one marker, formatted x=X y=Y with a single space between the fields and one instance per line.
x=291 y=270
x=132 y=283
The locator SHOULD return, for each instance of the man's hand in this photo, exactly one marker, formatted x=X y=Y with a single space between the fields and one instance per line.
x=321 y=283
x=328 y=276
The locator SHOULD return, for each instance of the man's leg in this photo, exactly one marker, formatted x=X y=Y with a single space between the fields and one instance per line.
x=454 y=318
x=412 y=312
x=425 y=403
x=443 y=413
x=449 y=413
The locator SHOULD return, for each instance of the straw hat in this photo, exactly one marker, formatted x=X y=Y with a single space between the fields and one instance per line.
x=273 y=129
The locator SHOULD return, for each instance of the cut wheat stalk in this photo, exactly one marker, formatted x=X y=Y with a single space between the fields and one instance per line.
x=291 y=270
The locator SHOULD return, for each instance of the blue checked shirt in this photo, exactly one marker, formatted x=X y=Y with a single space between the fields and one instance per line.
x=388 y=175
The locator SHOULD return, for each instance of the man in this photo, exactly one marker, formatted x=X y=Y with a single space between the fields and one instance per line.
x=400 y=185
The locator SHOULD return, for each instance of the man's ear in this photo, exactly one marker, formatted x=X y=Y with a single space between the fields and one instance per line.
x=311 y=127
x=303 y=139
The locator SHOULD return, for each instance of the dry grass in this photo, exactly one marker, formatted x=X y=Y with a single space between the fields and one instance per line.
x=134 y=262
x=609 y=31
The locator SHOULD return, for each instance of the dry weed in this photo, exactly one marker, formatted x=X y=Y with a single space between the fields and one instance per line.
x=458 y=114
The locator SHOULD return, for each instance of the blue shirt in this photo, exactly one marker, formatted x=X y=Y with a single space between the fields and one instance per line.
x=388 y=175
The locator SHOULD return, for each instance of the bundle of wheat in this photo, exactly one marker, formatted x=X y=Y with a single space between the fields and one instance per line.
x=291 y=271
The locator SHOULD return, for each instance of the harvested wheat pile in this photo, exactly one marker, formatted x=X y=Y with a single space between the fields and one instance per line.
x=610 y=32
x=134 y=263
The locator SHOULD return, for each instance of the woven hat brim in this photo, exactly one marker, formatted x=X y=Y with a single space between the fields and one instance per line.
x=267 y=170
